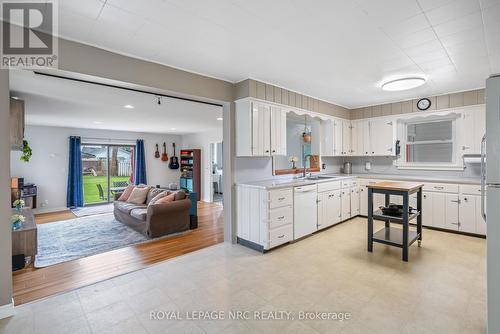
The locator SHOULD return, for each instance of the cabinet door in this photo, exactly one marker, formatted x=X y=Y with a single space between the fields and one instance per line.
x=363 y=200
x=452 y=221
x=261 y=130
x=354 y=201
x=367 y=145
x=278 y=131
x=467 y=133
x=467 y=213
x=321 y=210
x=479 y=129
x=382 y=137
x=333 y=207
x=438 y=210
x=337 y=138
x=346 y=138
x=327 y=134
x=346 y=203
x=427 y=215
x=357 y=139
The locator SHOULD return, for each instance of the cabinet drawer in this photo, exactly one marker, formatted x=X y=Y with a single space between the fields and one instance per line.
x=280 y=235
x=470 y=189
x=329 y=186
x=280 y=197
x=441 y=187
x=280 y=216
x=347 y=183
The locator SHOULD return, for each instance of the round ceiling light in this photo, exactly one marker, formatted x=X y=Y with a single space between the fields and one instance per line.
x=402 y=84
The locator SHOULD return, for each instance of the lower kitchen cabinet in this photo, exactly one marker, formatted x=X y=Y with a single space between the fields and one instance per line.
x=329 y=208
x=471 y=219
x=355 y=201
x=346 y=203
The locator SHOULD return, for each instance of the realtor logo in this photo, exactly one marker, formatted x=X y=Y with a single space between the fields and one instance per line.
x=29 y=34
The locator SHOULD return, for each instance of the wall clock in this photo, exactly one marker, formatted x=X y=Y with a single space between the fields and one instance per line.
x=423 y=104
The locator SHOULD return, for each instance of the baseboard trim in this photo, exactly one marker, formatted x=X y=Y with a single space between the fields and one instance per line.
x=7 y=310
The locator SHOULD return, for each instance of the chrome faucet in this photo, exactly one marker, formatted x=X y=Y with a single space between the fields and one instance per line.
x=304 y=159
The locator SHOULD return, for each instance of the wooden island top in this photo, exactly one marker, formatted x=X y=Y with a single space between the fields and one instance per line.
x=396 y=186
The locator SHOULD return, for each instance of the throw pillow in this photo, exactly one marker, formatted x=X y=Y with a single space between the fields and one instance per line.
x=180 y=195
x=166 y=199
x=152 y=194
x=138 y=195
x=157 y=197
x=126 y=193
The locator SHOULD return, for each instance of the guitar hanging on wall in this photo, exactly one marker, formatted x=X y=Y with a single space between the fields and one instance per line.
x=174 y=161
x=157 y=152
x=164 y=156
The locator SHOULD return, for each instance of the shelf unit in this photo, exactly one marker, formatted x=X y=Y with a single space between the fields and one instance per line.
x=190 y=161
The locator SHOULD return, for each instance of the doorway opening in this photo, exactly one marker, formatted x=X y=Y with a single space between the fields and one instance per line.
x=216 y=168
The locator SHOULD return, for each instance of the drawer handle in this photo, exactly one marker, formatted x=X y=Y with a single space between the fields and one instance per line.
x=281 y=236
x=281 y=198
x=439 y=188
x=281 y=218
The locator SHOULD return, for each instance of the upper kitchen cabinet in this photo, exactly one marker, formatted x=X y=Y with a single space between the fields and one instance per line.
x=473 y=129
x=331 y=138
x=260 y=129
x=382 y=137
x=16 y=124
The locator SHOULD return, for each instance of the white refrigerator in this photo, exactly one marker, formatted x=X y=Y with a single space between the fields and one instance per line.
x=490 y=200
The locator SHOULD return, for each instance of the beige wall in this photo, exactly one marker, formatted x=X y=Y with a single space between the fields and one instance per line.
x=5 y=230
x=263 y=91
x=437 y=102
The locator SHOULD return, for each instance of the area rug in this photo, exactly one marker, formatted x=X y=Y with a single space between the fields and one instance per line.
x=93 y=210
x=80 y=237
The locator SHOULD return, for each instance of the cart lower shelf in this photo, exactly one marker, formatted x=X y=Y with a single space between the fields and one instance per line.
x=394 y=236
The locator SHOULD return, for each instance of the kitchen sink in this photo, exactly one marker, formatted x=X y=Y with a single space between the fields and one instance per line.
x=319 y=177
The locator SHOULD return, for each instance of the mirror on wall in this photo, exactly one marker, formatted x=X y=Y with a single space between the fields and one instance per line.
x=302 y=142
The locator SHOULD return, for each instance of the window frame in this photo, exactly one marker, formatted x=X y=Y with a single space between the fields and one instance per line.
x=455 y=164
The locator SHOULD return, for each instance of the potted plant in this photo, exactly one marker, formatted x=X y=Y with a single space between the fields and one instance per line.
x=27 y=152
x=17 y=221
x=19 y=204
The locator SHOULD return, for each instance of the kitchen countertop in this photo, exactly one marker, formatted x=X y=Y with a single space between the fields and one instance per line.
x=284 y=183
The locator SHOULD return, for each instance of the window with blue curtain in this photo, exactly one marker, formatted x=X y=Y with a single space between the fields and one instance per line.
x=140 y=163
x=74 y=195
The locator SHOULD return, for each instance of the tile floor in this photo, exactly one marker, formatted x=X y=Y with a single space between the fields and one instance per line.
x=441 y=290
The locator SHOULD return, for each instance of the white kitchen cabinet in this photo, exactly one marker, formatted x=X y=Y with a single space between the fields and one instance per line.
x=355 y=200
x=363 y=200
x=472 y=130
x=329 y=208
x=358 y=133
x=346 y=203
x=337 y=138
x=260 y=129
x=278 y=131
x=346 y=138
x=452 y=205
x=467 y=213
x=331 y=138
x=427 y=209
x=382 y=137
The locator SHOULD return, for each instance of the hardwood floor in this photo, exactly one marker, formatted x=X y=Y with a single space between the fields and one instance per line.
x=30 y=284
x=51 y=217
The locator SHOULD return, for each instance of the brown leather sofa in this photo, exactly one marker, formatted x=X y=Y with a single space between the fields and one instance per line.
x=154 y=220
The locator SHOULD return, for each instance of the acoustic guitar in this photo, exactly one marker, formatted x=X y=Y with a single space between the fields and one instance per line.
x=164 y=156
x=157 y=153
x=174 y=161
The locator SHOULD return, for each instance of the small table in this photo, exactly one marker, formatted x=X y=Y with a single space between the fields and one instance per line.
x=116 y=189
x=24 y=240
x=392 y=236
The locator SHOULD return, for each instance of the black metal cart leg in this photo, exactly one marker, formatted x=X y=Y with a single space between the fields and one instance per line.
x=387 y=202
x=370 y=220
x=405 y=226
x=419 y=218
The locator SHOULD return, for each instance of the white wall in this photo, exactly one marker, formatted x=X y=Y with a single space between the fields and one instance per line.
x=202 y=141
x=48 y=167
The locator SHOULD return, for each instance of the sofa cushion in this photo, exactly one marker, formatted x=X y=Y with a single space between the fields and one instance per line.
x=126 y=207
x=180 y=195
x=139 y=213
x=153 y=192
x=166 y=199
x=157 y=197
x=126 y=193
x=138 y=195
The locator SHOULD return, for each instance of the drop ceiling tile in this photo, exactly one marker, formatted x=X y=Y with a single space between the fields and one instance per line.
x=88 y=8
x=436 y=64
x=429 y=56
x=424 y=48
x=431 y=4
x=74 y=26
x=452 y=11
x=117 y=17
x=489 y=3
x=389 y=10
x=468 y=22
x=398 y=30
x=464 y=37
x=417 y=38
x=478 y=47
